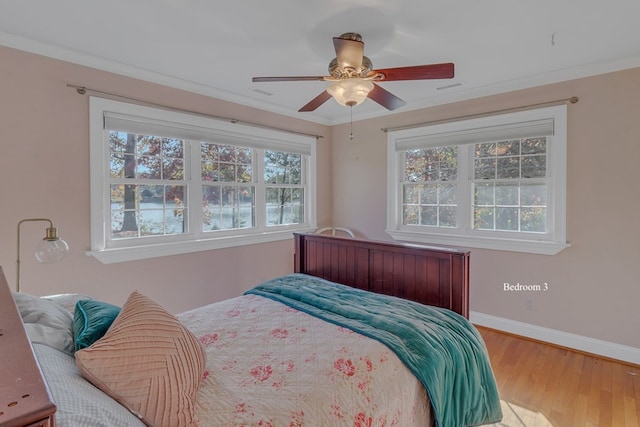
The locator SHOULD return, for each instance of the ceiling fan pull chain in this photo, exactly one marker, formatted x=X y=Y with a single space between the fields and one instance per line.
x=351 y=136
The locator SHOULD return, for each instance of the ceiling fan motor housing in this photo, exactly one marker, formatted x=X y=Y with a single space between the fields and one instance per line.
x=339 y=73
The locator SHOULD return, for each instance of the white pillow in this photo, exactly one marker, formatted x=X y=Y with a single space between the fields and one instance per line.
x=45 y=322
x=67 y=301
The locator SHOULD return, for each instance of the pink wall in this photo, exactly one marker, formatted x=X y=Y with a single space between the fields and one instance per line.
x=594 y=285
x=44 y=166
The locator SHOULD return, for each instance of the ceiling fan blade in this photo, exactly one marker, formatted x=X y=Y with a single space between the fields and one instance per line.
x=385 y=98
x=289 y=79
x=417 y=72
x=348 y=52
x=316 y=102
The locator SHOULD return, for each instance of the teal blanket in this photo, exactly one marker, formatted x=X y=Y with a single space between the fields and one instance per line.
x=442 y=349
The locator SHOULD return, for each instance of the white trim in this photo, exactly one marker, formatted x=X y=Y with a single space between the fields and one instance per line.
x=499 y=244
x=109 y=256
x=565 y=339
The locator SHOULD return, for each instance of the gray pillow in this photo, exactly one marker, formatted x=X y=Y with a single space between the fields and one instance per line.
x=45 y=322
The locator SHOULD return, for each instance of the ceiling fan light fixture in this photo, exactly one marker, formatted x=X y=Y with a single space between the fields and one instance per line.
x=350 y=92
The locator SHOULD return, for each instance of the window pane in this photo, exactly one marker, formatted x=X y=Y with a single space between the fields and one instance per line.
x=434 y=172
x=116 y=165
x=284 y=206
x=447 y=194
x=447 y=216
x=243 y=155
x=449 y=170
x=173 y=169
x=533 y=195
x=210 y=171
x=483 y=195
x=176 y=209
x=124 y=220
x=149 y=168
x=414 y=166
x=506 y=194
x=227 y=172
x=245 y=173
x=150 y=222
x=211 y=200
x=412 y=194
x=282 y=168
x=483 y=218
x=508 y=148
x=118 y=142
x=507 y=219
x=228 y=207
x=148 y=145
x=410 y=214
x=209 y=152
x=429 y=215
x=145 y=156
x=534 y=220
x=147 y=210
x=225 y=163
x=524 y=158
x=124 y=216
x=508 y=167
x=485 y=169
x=173 y=148
x=534 y=145
x=534 y=166
x=485 y=150
x=429 y=195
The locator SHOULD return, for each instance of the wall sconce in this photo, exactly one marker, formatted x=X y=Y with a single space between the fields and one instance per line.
x=51 y=249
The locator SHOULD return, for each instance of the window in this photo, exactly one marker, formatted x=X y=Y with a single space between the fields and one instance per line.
x=494 y=182
x=164 y=182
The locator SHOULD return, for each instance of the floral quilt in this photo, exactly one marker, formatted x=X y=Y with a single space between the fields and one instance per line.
x=270 y=365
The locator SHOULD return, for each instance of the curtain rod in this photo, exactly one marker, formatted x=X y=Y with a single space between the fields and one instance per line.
x=572 y=100
x=82 y=90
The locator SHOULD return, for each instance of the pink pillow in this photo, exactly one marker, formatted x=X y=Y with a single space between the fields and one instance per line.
x=149 y=362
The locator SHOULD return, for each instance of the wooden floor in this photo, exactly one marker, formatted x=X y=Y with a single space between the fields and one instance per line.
x=544 y=385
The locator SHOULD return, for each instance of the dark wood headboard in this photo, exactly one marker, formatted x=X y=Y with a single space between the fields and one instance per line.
x=24 y=396
x=430 y=275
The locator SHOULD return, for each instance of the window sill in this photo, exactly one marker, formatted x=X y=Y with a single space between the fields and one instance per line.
x=499 y=244
x=133 y=253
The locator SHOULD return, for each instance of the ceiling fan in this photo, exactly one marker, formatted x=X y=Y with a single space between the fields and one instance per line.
x=354 y=79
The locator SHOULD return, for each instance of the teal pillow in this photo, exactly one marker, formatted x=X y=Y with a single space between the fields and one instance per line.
x=91 y=319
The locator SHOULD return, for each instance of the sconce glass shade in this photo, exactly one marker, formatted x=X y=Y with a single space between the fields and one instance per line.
x=51 y=250
x=350 y=92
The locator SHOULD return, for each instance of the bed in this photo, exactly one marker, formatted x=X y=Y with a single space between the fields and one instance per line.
x=340 y=341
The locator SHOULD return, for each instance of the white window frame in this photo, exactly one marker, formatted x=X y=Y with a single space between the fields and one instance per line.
x=464 y=133
x=111 y=251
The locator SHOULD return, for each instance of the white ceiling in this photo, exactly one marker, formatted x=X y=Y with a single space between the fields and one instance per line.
x=215 y=47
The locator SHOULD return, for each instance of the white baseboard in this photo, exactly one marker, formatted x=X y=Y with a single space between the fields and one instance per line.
x=578 y=342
